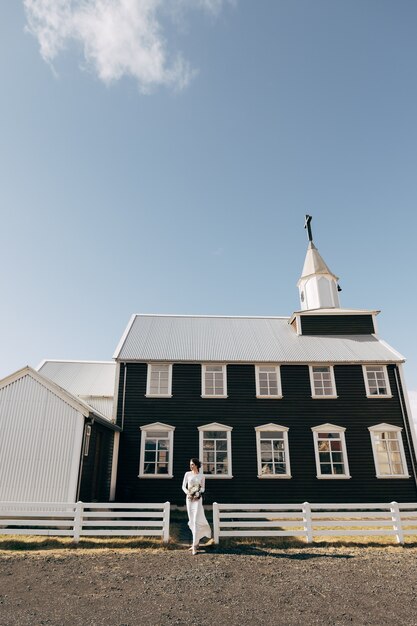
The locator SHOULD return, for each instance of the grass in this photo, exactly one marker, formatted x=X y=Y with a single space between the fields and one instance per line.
x=179 y=537
x=22 y=543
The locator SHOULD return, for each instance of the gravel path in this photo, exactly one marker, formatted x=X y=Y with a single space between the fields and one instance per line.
x=237 y=585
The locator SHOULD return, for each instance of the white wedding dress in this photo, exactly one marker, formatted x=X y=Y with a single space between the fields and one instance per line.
x=197 y=521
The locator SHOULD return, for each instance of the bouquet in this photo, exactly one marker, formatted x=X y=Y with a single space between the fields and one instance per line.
x=194 y=492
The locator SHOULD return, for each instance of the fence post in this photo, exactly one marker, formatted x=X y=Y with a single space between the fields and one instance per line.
x=216 y=530
x=396 y=518
x=165 y=537
x=78 y=521
x=308 y=526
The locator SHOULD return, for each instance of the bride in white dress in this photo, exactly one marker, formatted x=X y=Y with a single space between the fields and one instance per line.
x=193 y=486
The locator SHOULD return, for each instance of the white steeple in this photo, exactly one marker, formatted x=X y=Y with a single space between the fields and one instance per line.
x=317 y=285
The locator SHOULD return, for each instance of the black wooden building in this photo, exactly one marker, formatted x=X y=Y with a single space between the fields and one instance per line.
x=310 y=407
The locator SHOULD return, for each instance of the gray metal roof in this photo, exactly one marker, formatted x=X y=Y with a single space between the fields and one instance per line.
x=92 y=381
x=241 y=340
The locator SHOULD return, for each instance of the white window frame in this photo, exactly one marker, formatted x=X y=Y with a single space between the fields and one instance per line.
x=228 y=431
x=204 y=366
x=258 y=384
x=332 y=378
x=388 y=428
x=161 y=427
x=87 y=439
x=330 y=428
x=279 y=429
x=386 y=379
x=148 y=381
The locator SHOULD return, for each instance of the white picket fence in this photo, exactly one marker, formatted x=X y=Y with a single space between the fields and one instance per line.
x=85 y=519
x=309 y=520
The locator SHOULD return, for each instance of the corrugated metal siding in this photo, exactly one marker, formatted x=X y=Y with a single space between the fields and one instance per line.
x=186 y=410
x=254 y=340
x=101 y=404
x=82 y=378
x=40 y=438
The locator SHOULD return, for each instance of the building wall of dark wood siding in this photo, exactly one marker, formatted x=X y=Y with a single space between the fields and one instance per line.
x=337 y=324
x=96 y=467
x=186 y=410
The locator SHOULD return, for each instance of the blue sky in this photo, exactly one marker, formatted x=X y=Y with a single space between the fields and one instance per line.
x=160 y=157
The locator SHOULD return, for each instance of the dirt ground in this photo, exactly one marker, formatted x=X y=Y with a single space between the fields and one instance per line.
x=234 y=583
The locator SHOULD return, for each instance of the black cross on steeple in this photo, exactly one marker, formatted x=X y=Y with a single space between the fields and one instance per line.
x=308 y=227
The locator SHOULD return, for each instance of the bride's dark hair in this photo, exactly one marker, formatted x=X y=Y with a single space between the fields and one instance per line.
x=196 y=462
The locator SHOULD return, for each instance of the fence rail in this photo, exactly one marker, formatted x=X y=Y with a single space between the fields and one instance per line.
x=85 y=519
x=310 y=520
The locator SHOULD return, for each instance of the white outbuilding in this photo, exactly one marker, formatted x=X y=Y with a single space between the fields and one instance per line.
x=57 y=445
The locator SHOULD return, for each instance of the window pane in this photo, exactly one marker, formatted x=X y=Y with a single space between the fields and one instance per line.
x=221 y=457
x=384 y=469
x=280 y=468
x=267 y=468
x=393 y=446
x=208 y=457
x=162 y=468
x=163 y=456
x=149 y=468
x=221 y=444
x=215 y=434
x=397 y=468
x=326 y=468
x=336 y=445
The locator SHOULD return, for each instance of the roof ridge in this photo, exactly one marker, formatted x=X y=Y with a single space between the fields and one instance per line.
x=272 y=317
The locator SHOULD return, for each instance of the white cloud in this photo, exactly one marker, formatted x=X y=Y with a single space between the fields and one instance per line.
x=118 y=37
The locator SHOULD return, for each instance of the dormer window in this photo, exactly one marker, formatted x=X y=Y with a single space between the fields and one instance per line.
x=376 y=381
x=214 y=383
x=268 y=381
x=159 y=380
x=322 y=381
